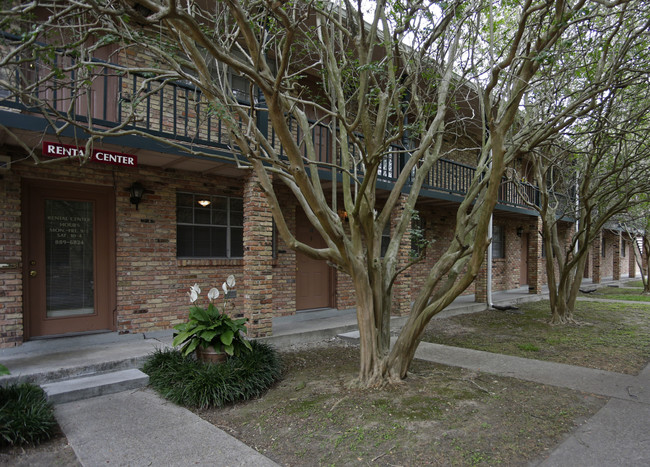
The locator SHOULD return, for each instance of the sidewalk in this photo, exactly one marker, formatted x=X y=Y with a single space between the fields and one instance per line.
x=137 y=427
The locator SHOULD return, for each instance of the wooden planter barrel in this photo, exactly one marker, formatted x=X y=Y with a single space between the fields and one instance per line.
x=210 y=355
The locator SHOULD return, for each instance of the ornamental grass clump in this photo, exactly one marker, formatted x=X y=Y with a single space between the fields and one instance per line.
x=191 y=383
x=25 y=415
x=209 y=327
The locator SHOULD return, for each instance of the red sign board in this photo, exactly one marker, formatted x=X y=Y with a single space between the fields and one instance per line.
x=99 y=155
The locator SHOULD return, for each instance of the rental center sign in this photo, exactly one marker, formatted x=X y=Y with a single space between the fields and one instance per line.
x=99 y=155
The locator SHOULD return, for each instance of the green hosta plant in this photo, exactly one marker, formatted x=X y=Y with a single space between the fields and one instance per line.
x=210 y=327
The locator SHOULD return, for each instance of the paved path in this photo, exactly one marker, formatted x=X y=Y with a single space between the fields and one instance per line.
x=138 y=428
x=618 y=435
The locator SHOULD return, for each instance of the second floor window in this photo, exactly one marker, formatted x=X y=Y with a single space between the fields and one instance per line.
x=209 y=226
x=240 y=88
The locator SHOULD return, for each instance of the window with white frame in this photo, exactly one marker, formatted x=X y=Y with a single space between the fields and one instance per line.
x=498 y=242
x=209 y=226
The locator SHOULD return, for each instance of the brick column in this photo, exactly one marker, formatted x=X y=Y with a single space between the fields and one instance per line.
x=535 y=264
x=402 y=285
x=616 y=266
x=258 y=260
x=11 y=278
x=631 y=258
x=596 y=251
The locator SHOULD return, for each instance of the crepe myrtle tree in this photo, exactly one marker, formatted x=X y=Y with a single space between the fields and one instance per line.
x=390 y=83
x=595 y=167
x=636 y=224
x=601 y=176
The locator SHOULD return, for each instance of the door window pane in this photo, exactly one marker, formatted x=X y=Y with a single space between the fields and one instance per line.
x=69 y=258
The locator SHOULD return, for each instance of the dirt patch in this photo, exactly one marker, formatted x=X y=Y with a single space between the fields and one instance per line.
x=438 y=416
x=55 y=452
x=611 y=336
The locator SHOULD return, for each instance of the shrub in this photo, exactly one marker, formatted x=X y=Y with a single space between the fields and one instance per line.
x=188 y=382
x=25 y=415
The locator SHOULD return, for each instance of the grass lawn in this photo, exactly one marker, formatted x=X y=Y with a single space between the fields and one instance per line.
x=632 y=291
x=612 y=336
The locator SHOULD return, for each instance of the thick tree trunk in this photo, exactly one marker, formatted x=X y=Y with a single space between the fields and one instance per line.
x=563 y=307
x=561 y=312
x=373 y=315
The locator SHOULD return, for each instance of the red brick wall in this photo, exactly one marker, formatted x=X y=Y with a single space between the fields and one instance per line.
x=506 y=271
x=345 y=296
x=565 y=233
x=439 y=231
x=151 y=282
x=284 y=266
x=607 y=261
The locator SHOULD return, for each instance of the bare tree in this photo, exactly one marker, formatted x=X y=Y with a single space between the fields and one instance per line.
x=387 y=87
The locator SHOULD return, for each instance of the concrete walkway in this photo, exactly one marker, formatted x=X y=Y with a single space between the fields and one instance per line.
x=137 y=427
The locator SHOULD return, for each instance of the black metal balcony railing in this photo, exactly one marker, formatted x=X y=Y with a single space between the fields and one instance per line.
x=180 y=112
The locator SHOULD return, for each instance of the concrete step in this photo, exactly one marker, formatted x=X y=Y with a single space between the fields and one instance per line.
x=352 y=336
x=96 y=385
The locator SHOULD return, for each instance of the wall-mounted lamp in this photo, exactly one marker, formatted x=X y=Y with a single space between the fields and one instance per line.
x=136 y=191
x=520 y=231
x=343 y=215
x=204 y=202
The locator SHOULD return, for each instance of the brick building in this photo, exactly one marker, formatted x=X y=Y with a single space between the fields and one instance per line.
x=81 y=251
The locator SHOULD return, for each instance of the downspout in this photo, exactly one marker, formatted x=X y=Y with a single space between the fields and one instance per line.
x=489 y=265
x=488 y=278
x=576 y=248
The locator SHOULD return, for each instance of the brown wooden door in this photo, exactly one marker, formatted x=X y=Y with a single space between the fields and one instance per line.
x=312 y=276
x=69 y=258
x=523 y=268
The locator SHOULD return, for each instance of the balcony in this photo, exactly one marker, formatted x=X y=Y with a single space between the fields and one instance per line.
x=179 y=112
